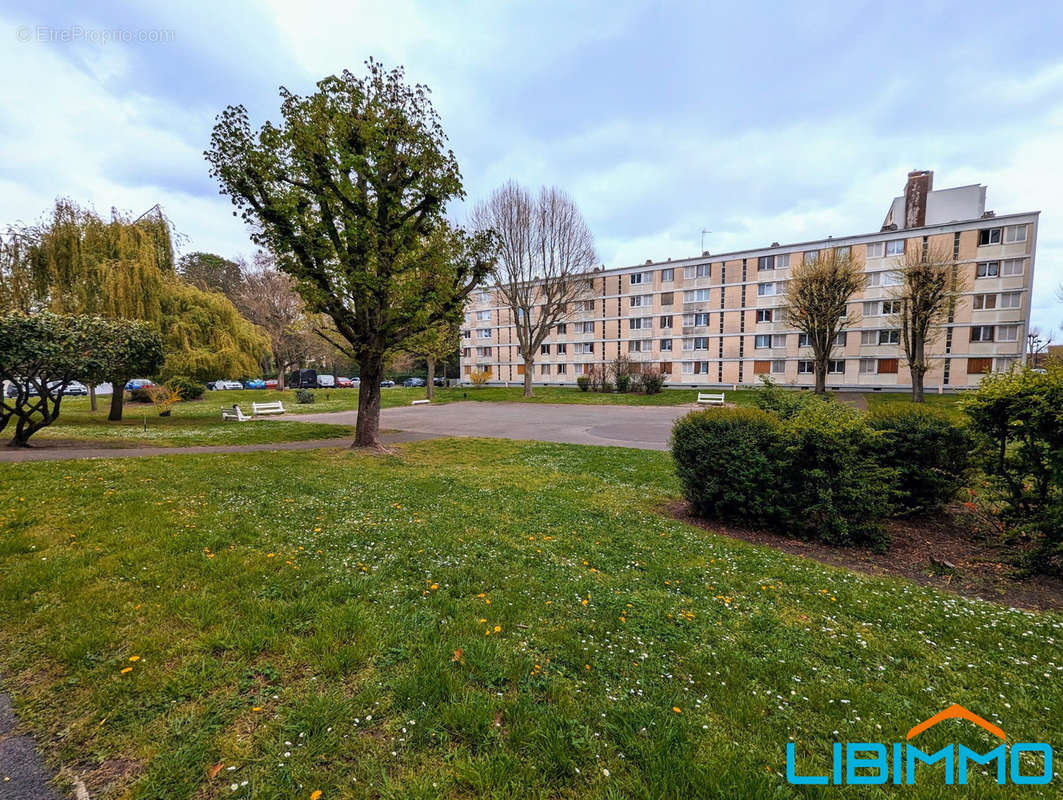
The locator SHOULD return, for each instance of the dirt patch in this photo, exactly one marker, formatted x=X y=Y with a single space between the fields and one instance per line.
x=936 y=552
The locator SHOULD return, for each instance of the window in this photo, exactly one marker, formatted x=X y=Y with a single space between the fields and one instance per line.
x=891 y=307
x=778 y=340
x=667 y=298
x=485 y=296
x=637 y=278
x=872 y=308
x=696 y=296
x=666 y=321
x=640 y=323
x=892 y=278
x=981 y=333
x=765 y=289
x=466 y=352
x=544 y=349
x=561 y=369
x=484 y=333
x=778 y=366
x=843 y=252
x=804 y=340
x=583 y=348
x=466 y=334
x=699 y=320
x=641 y=300
x=562 y=328
x=874 y=279
x=839 y=339
x=782 y=261
x=483 y=352
x=762 y=340
x=988 y=236
x=766 y=262
x=1011 y=300
x=1015 y=233
x=483 y=316
x=1013 y=266
x=836 y=366
x=585 y=305
x=895 y=247
x=697 y=271
x=887 y=366
x=761 y=367
x=584 y=327
x=701 y=342
x=1007 y=333
x=868 y=337
x=544 y=369
x=805 y=368
x=988 y=269
x=666 y=367
x=764 y=314
x=868 y=366
x=703 y=270
x=561 y=348
x=1003 y=364
x=811 y=255
x=666 y=345
x=979 y=366
x=889 y=337
x=667 y=275
x=984 y=302
x=635 y=346
x=875 y=249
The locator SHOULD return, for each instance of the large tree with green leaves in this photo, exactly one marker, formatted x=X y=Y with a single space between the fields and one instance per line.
x=212 y=273
x=349 y=191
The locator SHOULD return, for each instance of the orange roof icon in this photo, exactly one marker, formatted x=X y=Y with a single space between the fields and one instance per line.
x=956 y=711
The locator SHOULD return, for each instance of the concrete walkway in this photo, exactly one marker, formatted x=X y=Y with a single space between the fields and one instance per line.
x=22 y=775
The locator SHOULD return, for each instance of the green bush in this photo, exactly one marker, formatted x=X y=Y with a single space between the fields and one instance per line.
x=814 y=475
x=786 y=403
x=1017 y=418
x=623 y=382
x=187 y=388
x=304 y=397
x=607 y=386
x=728 y=461
x=651 y=381
x=832 y=485
x=583 y=382
x=928 y=451
x=140 y=395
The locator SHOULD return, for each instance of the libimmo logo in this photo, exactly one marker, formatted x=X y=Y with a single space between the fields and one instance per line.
x=877 y=762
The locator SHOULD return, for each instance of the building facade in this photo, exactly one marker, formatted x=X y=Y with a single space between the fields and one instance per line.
x=719 y=320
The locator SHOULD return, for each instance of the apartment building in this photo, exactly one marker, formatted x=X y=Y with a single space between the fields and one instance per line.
x=719 y=320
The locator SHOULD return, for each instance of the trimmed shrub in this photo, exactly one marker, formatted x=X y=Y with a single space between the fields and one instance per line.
x=786 y=403
x=583 y=382
x=186 y=388
x=928 y=451
x=833 y=488
x=728 y=461
x=623 y=382
x=303 y=397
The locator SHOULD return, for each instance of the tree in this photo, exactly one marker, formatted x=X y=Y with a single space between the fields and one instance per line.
x=268 y=298
x=42 y=353
x=817 y=299
x=1037 y=343
x=434 y=345
x=545 y=251
x=929 y=292
x=127 y=348
x=212 y=273
x=18 y=286
x=349 y=192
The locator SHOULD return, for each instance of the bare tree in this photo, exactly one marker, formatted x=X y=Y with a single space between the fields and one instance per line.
x=269 y=299
x=545 y=250
x=1037 y=343
x=817 y=303
x=929 y=292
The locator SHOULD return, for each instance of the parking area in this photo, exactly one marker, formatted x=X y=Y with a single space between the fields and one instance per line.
x=644 y=427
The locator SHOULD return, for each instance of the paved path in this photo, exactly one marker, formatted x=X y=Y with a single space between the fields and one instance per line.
x=22 y=775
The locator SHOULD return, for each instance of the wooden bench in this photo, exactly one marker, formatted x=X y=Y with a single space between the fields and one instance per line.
x=267 y=408
x=234 y=414
x=419 y=402
x=710 y=399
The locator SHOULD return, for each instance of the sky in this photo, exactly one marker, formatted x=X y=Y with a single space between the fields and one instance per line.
x=756 y=121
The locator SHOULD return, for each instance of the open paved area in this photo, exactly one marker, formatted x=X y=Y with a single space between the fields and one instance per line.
x=643 y=427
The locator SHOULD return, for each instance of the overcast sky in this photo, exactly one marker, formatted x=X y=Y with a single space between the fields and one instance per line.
x=759 y=121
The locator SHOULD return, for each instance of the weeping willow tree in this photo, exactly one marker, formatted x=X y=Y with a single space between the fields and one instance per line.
x=124 y=268
x=19 y=289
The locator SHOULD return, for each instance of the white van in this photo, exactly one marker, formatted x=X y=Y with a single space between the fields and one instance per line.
x=326 y=381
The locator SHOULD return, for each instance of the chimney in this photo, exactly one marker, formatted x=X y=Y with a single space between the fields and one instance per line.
x=920 y=184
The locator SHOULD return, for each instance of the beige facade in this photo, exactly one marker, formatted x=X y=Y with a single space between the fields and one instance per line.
x=719 y=320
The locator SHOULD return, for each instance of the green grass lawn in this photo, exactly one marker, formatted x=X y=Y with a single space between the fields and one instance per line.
x=467 y=618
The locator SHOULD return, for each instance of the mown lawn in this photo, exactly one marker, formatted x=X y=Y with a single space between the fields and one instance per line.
x=467 y=618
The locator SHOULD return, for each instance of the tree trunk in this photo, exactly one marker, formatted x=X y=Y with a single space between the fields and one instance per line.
x=92 y=396
x=918 y=372
x=117 y=399
x=821 y=377
x=280 y=379
x=529 y=364
x=367 y=426
x=430 y=384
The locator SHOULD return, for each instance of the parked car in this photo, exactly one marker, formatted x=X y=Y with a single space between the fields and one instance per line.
x=439 y=381
x=138 y=383
x=223 y=384
x=302 y=379
x=387 y=384
x=413 y=383
x=344 y=383
x=254 y=383
x=271 y=383
x=326 y=381
x=356 y=381
x=75 y=388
